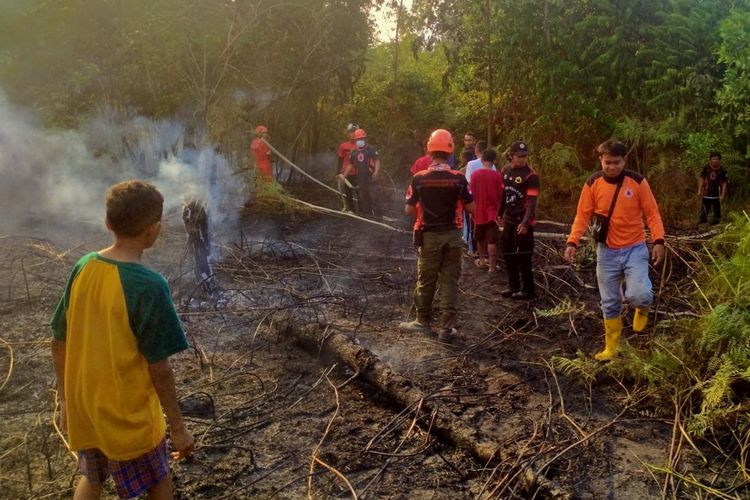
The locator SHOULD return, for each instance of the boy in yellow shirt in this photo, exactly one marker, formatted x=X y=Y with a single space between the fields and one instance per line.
x=113 y=331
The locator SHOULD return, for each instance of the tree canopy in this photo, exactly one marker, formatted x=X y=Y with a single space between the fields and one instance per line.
x=669 y=77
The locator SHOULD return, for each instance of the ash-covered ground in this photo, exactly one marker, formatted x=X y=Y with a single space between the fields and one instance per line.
x=260 y=407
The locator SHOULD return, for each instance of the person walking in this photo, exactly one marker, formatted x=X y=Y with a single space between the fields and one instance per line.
x=436 y=197
x=620 y=200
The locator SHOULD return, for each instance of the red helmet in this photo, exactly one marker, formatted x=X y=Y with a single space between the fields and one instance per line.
x=261 y=129
x=440 y=140
x=360 y=134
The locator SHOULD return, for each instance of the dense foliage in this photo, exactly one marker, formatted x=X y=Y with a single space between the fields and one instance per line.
x=670 y=77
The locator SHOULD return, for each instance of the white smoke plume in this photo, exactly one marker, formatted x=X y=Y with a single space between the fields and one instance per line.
x=54 y=180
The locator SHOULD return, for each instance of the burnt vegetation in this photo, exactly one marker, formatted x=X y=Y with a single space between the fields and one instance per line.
x=297 y=383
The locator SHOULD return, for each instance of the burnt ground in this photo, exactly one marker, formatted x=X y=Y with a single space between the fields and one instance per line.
x=259 y=406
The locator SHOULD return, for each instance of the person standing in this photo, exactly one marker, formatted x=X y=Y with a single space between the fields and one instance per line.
x=364 y=166
x=518 y=215
x=486 y=187
x=620 y=199
x=421 y=163
x=113 y=331
x=472 y=166
x=470 y=142
x=346 y=185
x=712 y=186
x=262 y=152
x=477 y=164
x=436 y=197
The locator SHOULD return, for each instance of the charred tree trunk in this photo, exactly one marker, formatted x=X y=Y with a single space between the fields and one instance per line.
x=443 y=425
x=400 y=389
x=195 y=219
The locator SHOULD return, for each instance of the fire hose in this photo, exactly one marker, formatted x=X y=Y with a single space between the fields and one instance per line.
x=555 y=236
x=324 y=209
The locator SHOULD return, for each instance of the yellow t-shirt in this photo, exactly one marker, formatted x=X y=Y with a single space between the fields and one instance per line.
x=115 y=318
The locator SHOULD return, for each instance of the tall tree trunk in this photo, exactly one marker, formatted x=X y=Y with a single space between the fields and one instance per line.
x=396 y=39
x=490 y=77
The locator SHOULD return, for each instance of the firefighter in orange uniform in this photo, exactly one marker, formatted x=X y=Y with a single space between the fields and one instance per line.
x=262 y=152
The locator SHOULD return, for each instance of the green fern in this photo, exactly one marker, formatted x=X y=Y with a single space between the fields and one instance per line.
x=565 y=306
x=581 y=366
x=718 y=389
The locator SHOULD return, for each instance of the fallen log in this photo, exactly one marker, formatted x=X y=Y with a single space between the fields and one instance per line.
x=435 y=418
x=400 y=389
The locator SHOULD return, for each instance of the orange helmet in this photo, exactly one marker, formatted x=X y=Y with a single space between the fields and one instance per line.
x=440 y=140
x=261 y=129
x=360 y=134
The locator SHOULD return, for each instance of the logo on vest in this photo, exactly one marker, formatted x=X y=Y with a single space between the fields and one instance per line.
x=628 y=193
x=518 y=180
x=360 y=157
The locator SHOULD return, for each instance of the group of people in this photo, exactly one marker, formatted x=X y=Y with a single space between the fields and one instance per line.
x=357 y=168
x=505 y=202
x=444 y=200
x=115 y=325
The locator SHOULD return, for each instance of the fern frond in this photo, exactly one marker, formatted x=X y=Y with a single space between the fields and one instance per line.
x=580 y=366
x=565 y=306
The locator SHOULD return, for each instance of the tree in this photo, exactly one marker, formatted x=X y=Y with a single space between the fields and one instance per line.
x=734 y=95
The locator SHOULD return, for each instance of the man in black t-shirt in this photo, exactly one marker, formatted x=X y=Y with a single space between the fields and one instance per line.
x=712 y=186
x=517 y=214
x=436 y=197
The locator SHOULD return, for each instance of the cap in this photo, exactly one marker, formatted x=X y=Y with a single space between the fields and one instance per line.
x=519 y=148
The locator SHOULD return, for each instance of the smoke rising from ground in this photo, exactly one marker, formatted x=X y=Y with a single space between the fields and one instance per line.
x=53 y=181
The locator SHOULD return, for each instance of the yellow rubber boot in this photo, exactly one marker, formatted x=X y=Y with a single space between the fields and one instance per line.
x=640 y=319
x=612 y=331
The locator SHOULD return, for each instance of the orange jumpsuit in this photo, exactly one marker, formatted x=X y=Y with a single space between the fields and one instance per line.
x=262 y=154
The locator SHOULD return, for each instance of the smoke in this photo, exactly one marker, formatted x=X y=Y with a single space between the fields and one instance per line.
x=52 y=182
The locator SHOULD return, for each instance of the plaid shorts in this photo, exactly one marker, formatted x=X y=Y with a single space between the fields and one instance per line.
x=132 y=477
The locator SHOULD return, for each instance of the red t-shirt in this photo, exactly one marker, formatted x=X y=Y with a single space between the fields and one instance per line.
x=345 y=150
x=262 y=157
x=487 y=187
x=422 y=163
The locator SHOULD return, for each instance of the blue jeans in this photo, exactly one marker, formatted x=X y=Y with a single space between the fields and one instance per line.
x=614 y=264
x=468 y=232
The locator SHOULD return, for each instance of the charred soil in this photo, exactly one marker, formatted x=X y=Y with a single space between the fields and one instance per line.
x=274 y=420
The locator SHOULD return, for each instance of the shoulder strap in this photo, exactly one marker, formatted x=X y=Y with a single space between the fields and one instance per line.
x=614 y=198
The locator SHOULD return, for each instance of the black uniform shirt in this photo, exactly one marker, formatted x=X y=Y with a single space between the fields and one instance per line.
x=439 y=194
x=520 y=183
